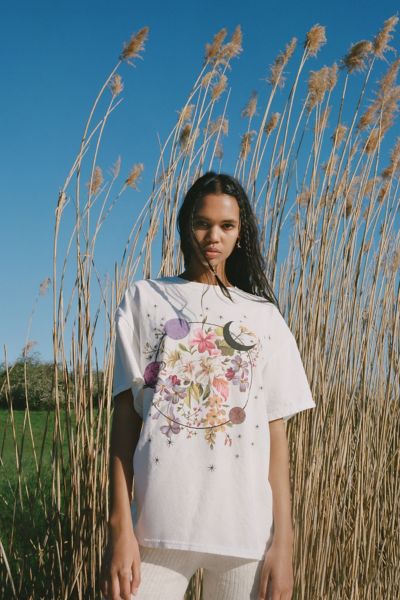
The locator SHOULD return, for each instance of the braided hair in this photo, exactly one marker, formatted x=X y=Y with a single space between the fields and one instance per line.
x=245 y=267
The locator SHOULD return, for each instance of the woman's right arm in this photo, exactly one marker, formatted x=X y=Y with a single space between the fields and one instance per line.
x=122 y=558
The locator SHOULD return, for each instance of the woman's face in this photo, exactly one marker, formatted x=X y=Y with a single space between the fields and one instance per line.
x=216 y=226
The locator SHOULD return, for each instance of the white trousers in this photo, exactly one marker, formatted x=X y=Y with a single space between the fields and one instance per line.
x=165 y=575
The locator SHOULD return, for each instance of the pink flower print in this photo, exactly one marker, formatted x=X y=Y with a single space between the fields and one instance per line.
x=189 y=367
x=221 y=385
x=174 y=379
x=232 y=376
x=205 y=342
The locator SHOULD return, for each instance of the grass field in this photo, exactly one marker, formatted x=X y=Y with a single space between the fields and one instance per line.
x=18 y=439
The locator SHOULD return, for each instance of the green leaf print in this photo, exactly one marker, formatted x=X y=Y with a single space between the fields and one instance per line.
x=225 y=349
x=194 y=393
x=183 y=347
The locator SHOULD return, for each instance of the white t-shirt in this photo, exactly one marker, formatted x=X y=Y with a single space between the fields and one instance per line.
x=207 y=375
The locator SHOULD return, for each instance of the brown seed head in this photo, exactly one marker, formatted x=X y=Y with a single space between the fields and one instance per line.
x=395 y=261
x=234 y=47
x=219 y=87
x=219 y=151
x=338 y=135
x=272 y=123
x=97 y=180
x=368 y=117
x=370 y=186
x=207 y=79
x=134 y=174
x=304 y=197
x=382 y=193
x=280 y=167
x=251 y=106
x=330 y=166
x=355 y=59
x=245 y=144
x=213 y=49
x=116 y=168
x=373 y=141
x=317 y=86
x=186 y=113
x=220 y=125
x=382 y=39
x=135 y=45
x=315 y=38
x=188 y=137
x=116 y=85
x=394 y=165
x=185 y=136
x=389 y=79
x=276 y=69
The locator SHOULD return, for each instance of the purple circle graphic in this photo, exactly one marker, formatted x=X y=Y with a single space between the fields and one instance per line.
x=237 y=415
x=177 y=328
x=151 y=373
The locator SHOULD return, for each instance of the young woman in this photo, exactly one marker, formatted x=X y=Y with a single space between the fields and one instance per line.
x=206 y=372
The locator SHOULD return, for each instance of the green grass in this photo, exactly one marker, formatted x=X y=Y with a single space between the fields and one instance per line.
x=10 y=448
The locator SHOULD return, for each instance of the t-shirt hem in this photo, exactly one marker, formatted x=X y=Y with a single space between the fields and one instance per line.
x=220 y=550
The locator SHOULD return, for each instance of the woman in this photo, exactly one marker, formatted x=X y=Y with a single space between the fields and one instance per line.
x=206 y=362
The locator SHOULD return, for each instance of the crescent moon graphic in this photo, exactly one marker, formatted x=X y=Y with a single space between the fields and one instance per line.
x=232 y=342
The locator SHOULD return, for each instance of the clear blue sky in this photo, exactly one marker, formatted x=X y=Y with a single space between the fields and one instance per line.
x=56 y=55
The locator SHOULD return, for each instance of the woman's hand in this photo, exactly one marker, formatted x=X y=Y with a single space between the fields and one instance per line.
x=276 y=580
x=120 y=571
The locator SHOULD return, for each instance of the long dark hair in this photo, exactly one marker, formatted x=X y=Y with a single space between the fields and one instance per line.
x=245 y=267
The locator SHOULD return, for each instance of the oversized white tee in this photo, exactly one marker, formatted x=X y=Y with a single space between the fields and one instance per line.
x=207 y=375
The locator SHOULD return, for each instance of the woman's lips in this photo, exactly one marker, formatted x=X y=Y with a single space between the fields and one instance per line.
x=210 y=252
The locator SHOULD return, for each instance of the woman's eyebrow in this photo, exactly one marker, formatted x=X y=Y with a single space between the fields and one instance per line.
x=222 y=220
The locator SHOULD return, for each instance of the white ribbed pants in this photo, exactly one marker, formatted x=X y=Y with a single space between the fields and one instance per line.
x=165 y=575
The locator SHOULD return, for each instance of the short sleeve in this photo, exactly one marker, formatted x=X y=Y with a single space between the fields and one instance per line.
x=287 y=389
x=127 y=373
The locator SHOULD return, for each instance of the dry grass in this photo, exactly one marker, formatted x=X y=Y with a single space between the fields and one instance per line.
x=320 y=167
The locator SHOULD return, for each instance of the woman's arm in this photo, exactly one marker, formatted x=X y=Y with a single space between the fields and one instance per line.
x=278 y=568
x=280 y=483
x=120 y=573
x=125 y=432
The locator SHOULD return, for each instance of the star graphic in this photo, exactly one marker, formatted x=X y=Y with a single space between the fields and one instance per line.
x=156 y=460
x=211 y=468
x=170 y=442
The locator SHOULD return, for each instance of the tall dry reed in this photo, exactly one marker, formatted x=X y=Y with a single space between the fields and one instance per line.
x=322 y=170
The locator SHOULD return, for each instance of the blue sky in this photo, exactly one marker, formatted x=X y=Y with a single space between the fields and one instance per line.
x=56 y=56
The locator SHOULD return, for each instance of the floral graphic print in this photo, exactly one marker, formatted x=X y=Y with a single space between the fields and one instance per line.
x=201 y=365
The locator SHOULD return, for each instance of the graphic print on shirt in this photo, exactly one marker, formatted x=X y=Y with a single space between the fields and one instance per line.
x=202 y=376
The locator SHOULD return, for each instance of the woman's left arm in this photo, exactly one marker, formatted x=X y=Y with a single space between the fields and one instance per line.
x=277 y=571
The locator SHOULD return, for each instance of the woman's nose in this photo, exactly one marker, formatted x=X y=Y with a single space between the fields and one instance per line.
x=213 y=235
